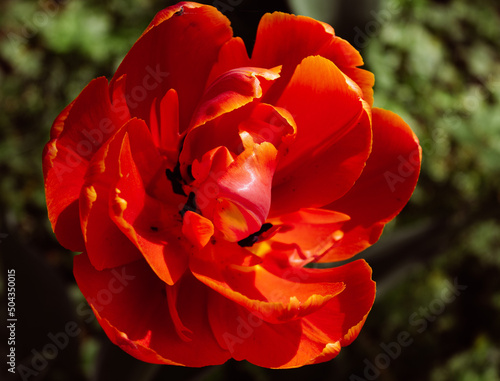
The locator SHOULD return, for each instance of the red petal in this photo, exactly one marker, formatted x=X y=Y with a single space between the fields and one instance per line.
x=265 y=123
x=340 y=52
x=236 y=194
x=323 y=104
x=246 y=336
x=212 y=165
x=276 y=295
x=302 y=237
x=269 y=123
x=221 y=110
x=310 y=339
x=234 y=221
x=172 y=293
x=106 y=245
x=233 y=89
x=328 y=177
x=347 y=59
x=164 y=125
x=77 y=133
x=131 y=305
x=364 y=79
x=220 y=132
x=384 y=187
x=284 y=39
x=247 y=184
x=197 y=229
x=177 y=50
x=233 y=54
x=344 y=316
x=333 y=138
x=154 y=226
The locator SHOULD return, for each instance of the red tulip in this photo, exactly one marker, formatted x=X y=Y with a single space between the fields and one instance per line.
x=199 y=183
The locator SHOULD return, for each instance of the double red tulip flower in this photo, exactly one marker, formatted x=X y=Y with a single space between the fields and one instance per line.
x=199 y=183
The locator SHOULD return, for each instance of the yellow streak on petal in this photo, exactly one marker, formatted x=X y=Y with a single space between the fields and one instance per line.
x=90 y=195
x=51 y=151
x=329 y=351
x=231 y=219
x=119 y=204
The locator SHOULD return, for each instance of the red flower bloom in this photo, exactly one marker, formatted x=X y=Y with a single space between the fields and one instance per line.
x=199 y=182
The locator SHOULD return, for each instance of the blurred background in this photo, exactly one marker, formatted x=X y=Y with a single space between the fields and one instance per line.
x=437 y=266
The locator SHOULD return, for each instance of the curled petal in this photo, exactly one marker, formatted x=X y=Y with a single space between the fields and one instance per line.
x=232 y=90
x=269 y=123
x=220 y=132
x=76 y=135
x=383 y=188
x=222 y=108
x=306 y=187
x=212 y=166
x=276 y=295
x=154 y=226
x=247 y=184
x=236 y=194
x=312 y=338
x=317 y=86
x=344 y=316
x=303 y=236
x=167 y=56
x=284 y=39
x=105 y=243
x=336 y=142
x=264 y=122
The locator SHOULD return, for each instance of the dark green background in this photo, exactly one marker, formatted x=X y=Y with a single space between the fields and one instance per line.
x=437 y=64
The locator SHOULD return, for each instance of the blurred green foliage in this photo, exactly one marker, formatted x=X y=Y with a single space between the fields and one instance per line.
x=437 y=64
